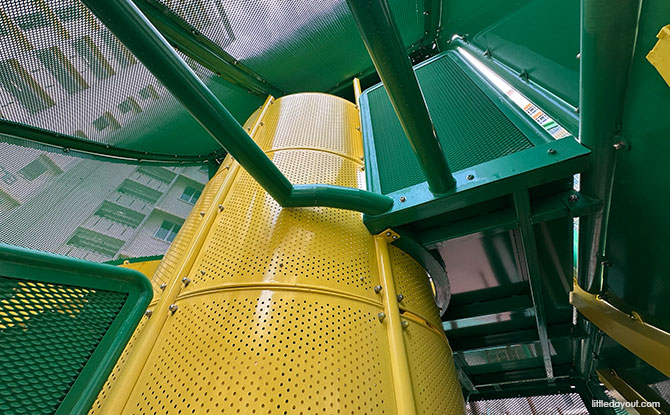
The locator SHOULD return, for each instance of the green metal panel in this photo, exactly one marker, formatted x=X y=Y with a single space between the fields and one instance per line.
x=639 y=223
x=63 y=324
x=471 y=128
x=300 y=45
x=540 y=37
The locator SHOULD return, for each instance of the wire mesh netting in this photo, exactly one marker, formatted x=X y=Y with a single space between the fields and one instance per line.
x=559 y=404
x=91 y=208
x=63 y=71
x=297 y=45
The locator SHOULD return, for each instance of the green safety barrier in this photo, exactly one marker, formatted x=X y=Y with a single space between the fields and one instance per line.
x=63 y=324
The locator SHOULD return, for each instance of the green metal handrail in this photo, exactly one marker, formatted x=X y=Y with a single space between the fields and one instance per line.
x=128 y=23
x=383 y=42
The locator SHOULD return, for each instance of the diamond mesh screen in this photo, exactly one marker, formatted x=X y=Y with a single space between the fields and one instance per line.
x=567 y=403
x=62 y=71
x=471 y=128
x=91 y=208
x=49 y=331
x=297 y=45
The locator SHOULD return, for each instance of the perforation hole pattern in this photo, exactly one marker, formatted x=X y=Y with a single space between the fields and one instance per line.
x=48 y=333
x=262 y=352
x=333 y=121
x=113 y=377
x=434 y=380
x=183 y=239
x=412 y=282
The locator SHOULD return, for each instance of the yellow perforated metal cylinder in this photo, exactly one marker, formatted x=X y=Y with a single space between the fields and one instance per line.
x=280 y=314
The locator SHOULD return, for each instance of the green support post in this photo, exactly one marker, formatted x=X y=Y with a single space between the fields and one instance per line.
x=608 y=37
x=128 y=23
x=523 y=211
x=383 y=42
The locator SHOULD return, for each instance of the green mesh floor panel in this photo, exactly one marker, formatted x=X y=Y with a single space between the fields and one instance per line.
x=63 y=71
x=471 y=128
x=297 y=45
x=47 y=334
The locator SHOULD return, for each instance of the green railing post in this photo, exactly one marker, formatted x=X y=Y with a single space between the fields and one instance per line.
x=128 y=23
x=383 y=42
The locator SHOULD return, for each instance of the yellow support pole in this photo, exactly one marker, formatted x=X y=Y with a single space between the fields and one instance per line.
x=121 y=391
x=357 y=91
x=404 y=396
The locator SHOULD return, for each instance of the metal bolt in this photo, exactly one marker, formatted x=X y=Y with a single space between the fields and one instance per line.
x=394 y=237
x=261 y=123
x=470 y=176
x=378 y=289
x=577 y=110
x=403 y=198
x=573 y=198
x=186 y=281
x=362 y=279
x=404 y=324
x=388 y=234
x=173 y=308
x=358 y=128
x=381 y=316
x=487 y=53
x=400 y=297
x=148 y=313
x=551 y=151
x=619 y=145
x=202 y=213
x=220 y=208
x=162 y=286
x=579 y=56
x=202 y=271
x=632 y=317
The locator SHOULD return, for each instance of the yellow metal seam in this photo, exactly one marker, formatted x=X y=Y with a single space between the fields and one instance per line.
x=420 y=320
x=121 y=392
x=280 y=286
x=404 y=396
x=325 y=150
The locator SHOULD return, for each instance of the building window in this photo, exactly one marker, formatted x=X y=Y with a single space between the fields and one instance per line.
x=120 y=214
x=34 y=169
x=93 y=57
x=190 y=195
x=92 y=241
x=20 y=83
x=139 y=191
x=129 y=105
x=149 y=92
x=62 y=69
x=167 y=231
x=106 y=120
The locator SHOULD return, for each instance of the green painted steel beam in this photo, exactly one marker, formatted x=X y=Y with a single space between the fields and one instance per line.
x=608 y=37
x=188 y=40
x=513 y=303
x=484 y=182
x=382 y=40
x=528 y=335
x=128 y=23
x=67 y=143
x=529 y=254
